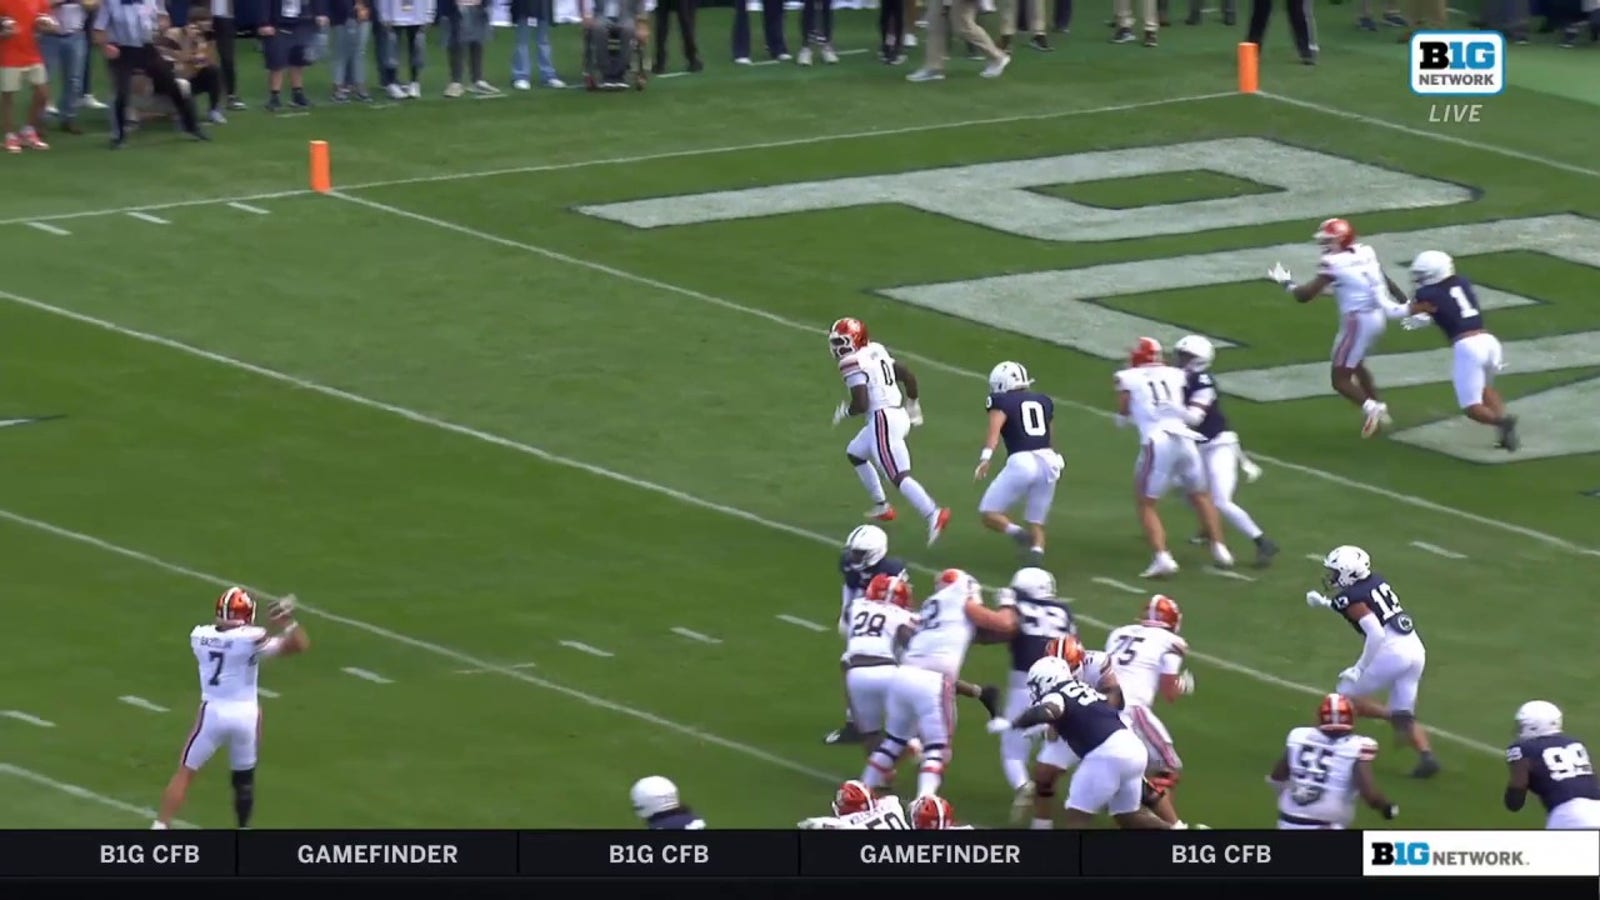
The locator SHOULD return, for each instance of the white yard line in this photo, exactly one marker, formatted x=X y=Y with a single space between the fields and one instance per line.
x=245 y=207
x=441 y=650
x=1314 y=557
x=366 y=675
x=142 y=703
x=1118 y=585
x=49 y=229
x=807 y=624
x=693 y=635
x=147 y=217
x=640 y=158
x=270 y=695
x=590 y=649
x=524 y=665
x=1437 y=550
x=21 y=716
x=1226 y=573
x=84 y=793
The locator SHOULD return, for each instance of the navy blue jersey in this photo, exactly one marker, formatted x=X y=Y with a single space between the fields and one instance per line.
x=1381 y=599
x=1559 y=769
x=1454 y=306
x=680 y=819
x=1029 y=418
x=1088 y=720
x=1201 y=390
x=1039 y=620
x=856 y=580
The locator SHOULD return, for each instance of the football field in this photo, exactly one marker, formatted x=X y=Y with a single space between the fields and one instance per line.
x=532 y=414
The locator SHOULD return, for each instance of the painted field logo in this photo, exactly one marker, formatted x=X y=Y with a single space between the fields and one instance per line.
x=1458 y=63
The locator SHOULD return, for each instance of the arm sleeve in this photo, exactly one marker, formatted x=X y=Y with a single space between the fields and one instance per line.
x=1374 y=632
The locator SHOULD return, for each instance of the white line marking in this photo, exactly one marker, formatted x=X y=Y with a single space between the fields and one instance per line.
x=489 y=96
x=142 y=703
x=671 y=75
x=84 y=793
x=1437 y=550
x=695 y=635
x=590 y=649
x=1226 y=573
x=1446 y=137
x=1113 y=583
x=290 y=115
x=245 y=207
x=1314 y=557
x=365 y=675
x=647 y=157
x=50 y=229
x=712 y=300
x=21 y=716
x=540 y=453
x=526 y=665
x=269 y=694
x=803 y=623
x=146 y=217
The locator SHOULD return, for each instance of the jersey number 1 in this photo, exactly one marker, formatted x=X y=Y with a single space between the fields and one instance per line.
x=1160 y=393
x=1459 y=295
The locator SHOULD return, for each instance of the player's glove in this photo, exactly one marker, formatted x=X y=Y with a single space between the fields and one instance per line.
x=1280 y=275
x=998 y=725
x=1351 y=674
x=1420 y=320
x=1315 y=599
x=1186 y=681
x=283 y=610
x=1392 y=811
x=1004 y=597
x=914 y=412
x=841 y=412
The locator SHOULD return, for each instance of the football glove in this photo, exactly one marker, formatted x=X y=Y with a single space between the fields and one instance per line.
x=914 y=412
x=1420 y=320
x=1186 y=681
x=841 y=412
x=1315 y=599
x=1279 y=274
x=998 y=726
x=1004 y=597
x=283 y=609
x=1392 y=811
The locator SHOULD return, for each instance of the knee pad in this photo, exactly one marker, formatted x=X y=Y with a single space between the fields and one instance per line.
x=1402 y=721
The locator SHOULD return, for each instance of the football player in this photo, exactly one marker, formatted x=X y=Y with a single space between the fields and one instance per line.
x=874 y=379
x=1110 y=761
x=1042 y=619
x=865 y=556
x=1555 y=767
x=874 y=627
x=934 y=813
x=229 y=651
x=1147 y=657
x=1220 y=452
x=922 y=694
x=655 y=800
x=855 y=807
x=1358 y=281
x=1392 y=655
x=1448 y=301
x=1324 y=769
x=1023 y=419
x=1150 y=396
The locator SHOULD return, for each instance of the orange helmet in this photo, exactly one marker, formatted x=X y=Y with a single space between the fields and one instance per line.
x=1162 y=611
x=853 y=797
x=1146 y=352
x=930 y=812
x=1066 y=647
x=235 y=607
x=1336 y=713
x=1335 y=234
x=892 y=589
x=846 y=337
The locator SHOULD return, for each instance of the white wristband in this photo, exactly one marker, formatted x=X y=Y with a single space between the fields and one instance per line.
x=985 y=455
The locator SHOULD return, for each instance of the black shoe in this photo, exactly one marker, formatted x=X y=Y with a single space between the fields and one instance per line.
x=1122 y=36
x=1040 y=43
x=989 y=696
x=115 y=144
x=845 y=734
x=274 y=104
x=1194 y=18
x=1427 y=767
x=299 y=100
x=197 y=134
x=1508 y=434
x=1149 y=38
x=695 y=65
x=660 y=67
x=1367 y=23
x=236 y=103
x=1034 y=558
x=1265 y=551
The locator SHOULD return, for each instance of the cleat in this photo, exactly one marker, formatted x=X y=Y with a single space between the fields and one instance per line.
x=1265 y=551
x=926 y=75
x=1160 y=569
x=1249 y=469
x=828 y=54
x=1376 y=419
x=1034 y=558
x=1509 y=440
x=1221 y=556
x=1040 y=43
x=1022 y=802
x=937 y=523
x=993 y=70
x=989 y=696
x=846 y=734
x=32 y=141
x=883 y=512
x=1426 y=768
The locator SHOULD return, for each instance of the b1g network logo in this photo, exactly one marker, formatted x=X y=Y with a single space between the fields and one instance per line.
x=1458 y=63
x=1480 y=853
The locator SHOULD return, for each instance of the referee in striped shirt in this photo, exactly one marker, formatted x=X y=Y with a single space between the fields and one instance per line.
x=125 y=31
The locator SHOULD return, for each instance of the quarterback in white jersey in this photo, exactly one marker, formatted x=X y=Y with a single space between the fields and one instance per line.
x=855 y=808
x=227 y=651
x=922 y=693
x=1323 y=770
x=1364 y=293
x=1148 y=657
x=875 y=381
x=1150 y=396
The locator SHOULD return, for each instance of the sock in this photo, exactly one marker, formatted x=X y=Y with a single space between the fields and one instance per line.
x=1014 y=530
x=158 y=825
x=919 y=498
x=870 y=480
x=244 y=796
x=1016 y=771
x=1042 y=825
x=1240 y=519
x=928 y=781
x=1369 y=405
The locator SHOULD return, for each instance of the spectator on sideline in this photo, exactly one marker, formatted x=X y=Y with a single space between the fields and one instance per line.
x=1391 y=15
x=963 y=20
x=1424 y=16
x=816 y=30
x=193 y=58
x=772 y=13
x=224 y=34
x=466 y=24
x=1301 y=20
x=685 y=10
x=1509 y=17
x=351 y=24
x=288 y=32
x=406 y=25
x=63 y=55
x=22 y=69
x=1123 y=12
x=892 y=32
x=87 y=100
x=543 y=13
x=1011 y=14
x=125 y=30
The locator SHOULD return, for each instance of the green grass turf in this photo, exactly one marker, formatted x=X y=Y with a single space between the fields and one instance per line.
x=606 y=433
